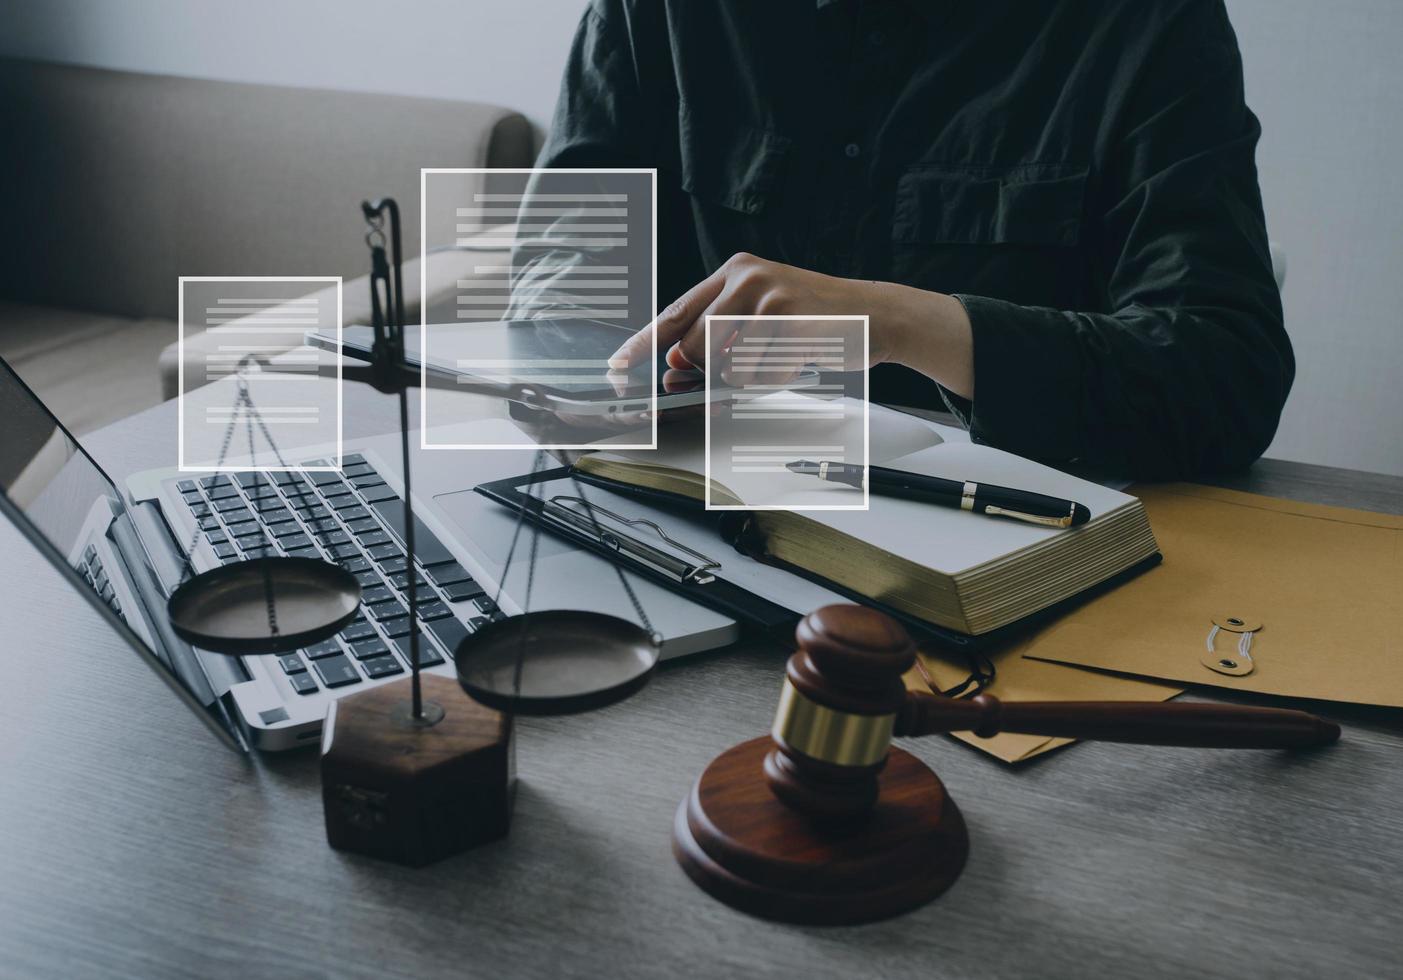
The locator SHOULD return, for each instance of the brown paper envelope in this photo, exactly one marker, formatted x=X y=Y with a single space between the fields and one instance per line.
x=1324 y=583
x=1019 y=679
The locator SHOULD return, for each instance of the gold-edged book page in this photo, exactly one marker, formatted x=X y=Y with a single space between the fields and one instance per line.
x=1325 y=585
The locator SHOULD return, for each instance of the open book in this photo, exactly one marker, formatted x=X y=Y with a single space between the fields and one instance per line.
x=959 y=570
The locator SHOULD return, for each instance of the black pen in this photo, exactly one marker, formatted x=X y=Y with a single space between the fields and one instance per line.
x=982 y=498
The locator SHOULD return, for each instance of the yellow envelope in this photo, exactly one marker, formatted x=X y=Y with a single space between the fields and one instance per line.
x=1307 y=600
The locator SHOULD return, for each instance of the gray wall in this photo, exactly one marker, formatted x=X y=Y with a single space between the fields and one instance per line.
x=1324 y=78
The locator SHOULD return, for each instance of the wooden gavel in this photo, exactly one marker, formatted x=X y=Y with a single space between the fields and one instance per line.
x=843 y=699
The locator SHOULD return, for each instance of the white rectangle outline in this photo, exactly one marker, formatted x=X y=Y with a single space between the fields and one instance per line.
x=866 y=415
x=424 y=306
x=180 y=374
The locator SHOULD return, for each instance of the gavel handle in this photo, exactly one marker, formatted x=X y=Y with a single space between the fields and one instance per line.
x=1143 y=723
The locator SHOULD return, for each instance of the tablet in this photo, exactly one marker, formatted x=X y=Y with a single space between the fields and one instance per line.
x=565 y=362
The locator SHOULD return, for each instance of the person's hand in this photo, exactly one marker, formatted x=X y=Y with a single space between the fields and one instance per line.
x=925 y=330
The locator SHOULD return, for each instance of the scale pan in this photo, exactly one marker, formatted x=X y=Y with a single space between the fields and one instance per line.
x=573 y=661
x=225 y=610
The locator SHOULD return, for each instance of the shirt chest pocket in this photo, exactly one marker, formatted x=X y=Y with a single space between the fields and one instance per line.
x=730 y=165
x=1011 y=232
x=1033 y=204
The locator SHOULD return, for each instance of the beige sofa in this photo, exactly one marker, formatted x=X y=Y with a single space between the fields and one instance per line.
x=120 y=183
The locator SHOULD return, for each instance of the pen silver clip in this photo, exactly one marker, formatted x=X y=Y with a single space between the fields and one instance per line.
x=561 y=508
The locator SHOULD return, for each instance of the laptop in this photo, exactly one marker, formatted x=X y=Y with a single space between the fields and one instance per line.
x=123 y=552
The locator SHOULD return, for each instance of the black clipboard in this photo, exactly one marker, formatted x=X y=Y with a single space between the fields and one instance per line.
x=772 y=620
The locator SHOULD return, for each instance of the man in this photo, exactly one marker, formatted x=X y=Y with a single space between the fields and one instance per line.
x=1049 y=210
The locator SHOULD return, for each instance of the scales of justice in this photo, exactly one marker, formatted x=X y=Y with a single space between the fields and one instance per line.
x=822 y=821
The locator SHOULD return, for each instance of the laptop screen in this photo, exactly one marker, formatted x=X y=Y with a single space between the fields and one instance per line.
x=68 y=507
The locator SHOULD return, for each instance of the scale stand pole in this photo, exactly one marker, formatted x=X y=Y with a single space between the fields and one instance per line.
x=390 y=374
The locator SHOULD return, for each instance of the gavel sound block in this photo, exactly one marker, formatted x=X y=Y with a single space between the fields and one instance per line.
x=823 y=822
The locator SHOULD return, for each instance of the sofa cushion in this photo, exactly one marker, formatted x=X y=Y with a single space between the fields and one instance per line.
x=89 y=368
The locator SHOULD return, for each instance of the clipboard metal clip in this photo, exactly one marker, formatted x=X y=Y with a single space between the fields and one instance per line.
x=582 y=516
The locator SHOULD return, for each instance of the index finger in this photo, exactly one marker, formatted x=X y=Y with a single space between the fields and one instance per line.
x=672 y=323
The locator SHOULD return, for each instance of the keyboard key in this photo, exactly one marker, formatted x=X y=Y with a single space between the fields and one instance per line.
x=449 y=632
x=376 y=593
x=263 y=492
x=462 y=591
x=237 y=516
x=243 y=527
x=357 y=631
x=383 y=551
x=333 y=537
x=214 y=481
x=428 y=656
x=371 y=538
x=337 y=671
x=357 y=469
x=284 y=478
x=200 y=510
x=326 y=648
x=368 y=648
x=429 y=611
x=368 y=579
x=302 y=683
x=478 y=622
x=393 y=565
x=486 y=604
x=216 y=537
x=448 y=574
x=367 y=481
x=291 y=663
x=355 y=513
x=286 y=529
x=375 y=495
x=385 y=666
x=294 y=541
x=248 y=479
x=342 y=498
x=355 y=564
x=251 y=542
x=386 y=610
x=339 y=551
x=209 y=523
x=322 y=479
x=185 y=486
x=401 y=582
x=228 y=504
x=304 y=553
x=270 y=506
x=227 y=559
x=396 y=627
x=222 y=493
x=428 y=549
x=363 y=525
x=326 y=524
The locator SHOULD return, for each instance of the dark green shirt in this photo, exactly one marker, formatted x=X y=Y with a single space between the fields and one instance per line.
x=1079 y=173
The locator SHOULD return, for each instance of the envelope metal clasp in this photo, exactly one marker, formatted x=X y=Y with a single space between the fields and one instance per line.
x=1236 y=664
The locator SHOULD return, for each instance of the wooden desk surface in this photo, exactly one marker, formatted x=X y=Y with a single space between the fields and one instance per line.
x=133 y=844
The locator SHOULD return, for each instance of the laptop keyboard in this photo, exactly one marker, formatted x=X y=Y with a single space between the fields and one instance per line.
x=355 y=519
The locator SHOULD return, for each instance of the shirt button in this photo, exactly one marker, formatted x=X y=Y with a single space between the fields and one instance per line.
x=851 y=150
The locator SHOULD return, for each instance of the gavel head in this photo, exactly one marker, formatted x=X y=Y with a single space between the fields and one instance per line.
x=842 y=691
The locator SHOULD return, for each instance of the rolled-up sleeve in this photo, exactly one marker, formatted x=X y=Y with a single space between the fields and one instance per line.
x=1188 y=371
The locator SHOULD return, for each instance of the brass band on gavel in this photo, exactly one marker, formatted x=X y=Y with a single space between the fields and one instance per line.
x=828 y=735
